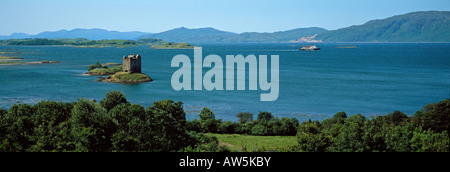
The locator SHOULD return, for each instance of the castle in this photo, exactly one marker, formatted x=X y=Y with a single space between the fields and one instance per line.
x=132 y=63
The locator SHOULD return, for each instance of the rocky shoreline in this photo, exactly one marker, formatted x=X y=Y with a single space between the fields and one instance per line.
x=27 y=63
x=119 y=81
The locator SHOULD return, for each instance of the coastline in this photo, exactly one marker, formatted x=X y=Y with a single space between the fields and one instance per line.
x=118 y=81
x=27 y=63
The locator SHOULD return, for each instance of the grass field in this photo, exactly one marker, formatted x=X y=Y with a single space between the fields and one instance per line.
x=132 y=77
x=10 y=63
x=108 y=71
x=246 y=143
x=9 y=58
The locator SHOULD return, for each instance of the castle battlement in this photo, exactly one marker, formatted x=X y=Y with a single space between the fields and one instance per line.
x=132 y=63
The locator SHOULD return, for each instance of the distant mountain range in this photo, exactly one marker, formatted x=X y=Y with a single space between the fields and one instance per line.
x=428 y=26
x=191 y=35
x=92 y=34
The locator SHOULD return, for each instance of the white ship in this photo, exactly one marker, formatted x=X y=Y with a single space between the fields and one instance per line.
x=310 y=48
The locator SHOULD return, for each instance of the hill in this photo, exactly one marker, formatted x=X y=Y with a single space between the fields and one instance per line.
x=211 y=35
x=283 y=36
x=425 y=26
x=199 y=35
x=91 y=34
x=82 y=42
x=428 y=26
x=16 y=36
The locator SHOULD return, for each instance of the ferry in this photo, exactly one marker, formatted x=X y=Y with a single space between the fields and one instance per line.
x=310 y=48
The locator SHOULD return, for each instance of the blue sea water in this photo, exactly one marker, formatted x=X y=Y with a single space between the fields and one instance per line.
x=373 y=79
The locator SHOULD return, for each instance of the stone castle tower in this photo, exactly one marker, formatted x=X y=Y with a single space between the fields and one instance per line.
x=132 y=63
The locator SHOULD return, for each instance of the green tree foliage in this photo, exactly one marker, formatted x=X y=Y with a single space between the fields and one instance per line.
x=350 y=137
x=87 y=126
x=95 y=66
x=49 y=126
x=394 y=132
x=434 y=116
x=260 y=130
x=167 y=122
x=265 y=116
x=267 y=126
x=113 y=98
x=206 y=114
x=116 y=125
x=19 y=126
x=92 y=127
x=130 y=120
x=311 y=139
x=245 y=117
x=208 y=121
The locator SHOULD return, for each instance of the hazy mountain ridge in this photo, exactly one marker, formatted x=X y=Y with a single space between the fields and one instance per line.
x=283 y=36
x=425 y=26
x=199 y=35
x=428 y=26
x=91 y=34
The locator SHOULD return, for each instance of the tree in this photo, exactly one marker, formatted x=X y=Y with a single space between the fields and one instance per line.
x=396 y=117
x=338 y=118
x=265 y=116
x=430 y=141
x=92 y=127
x=19 y=127
x=245 y=117
x=311 y=139
x=3 y=129
x=350 y=137
x=289 y=126
x=210 y=125
x=130 y=120
x=94 y=66
x=166 y=127
x=206 y=114
x=260 y=130
x=50 y=126
x=113 y=98
x=434 y=116
x=228 y=127
x=208 y=121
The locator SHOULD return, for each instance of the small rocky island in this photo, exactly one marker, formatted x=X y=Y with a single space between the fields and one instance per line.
x=6 y=60
x=172 y=45
x=130 y=72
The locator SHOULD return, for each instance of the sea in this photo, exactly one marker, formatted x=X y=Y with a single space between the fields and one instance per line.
x=371 y=79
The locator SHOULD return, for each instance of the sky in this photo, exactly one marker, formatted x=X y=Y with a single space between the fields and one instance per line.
x=35 y=16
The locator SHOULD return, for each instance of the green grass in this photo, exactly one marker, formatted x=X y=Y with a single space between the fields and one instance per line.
x=131 y=77
x=9 y=58
x=246 y=143
x=11 y=63
x=171 y=45
x=108 y=71
x=112 y=64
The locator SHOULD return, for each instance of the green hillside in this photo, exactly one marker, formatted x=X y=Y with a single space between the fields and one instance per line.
x=191 y=35
x=429 y=26
x=283 y=36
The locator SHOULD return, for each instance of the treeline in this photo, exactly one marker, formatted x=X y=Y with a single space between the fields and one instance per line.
x=83 y=42
x=112 y=125
x=265 y=124
x=426 y=131
x=115 y=125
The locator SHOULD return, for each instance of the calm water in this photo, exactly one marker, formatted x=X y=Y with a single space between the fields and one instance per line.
x=373 y=79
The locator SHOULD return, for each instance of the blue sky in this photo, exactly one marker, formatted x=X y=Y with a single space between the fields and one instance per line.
x=34 y=16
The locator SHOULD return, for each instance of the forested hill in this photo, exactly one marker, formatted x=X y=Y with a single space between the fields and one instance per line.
x=211 y=35
x=428 y=26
